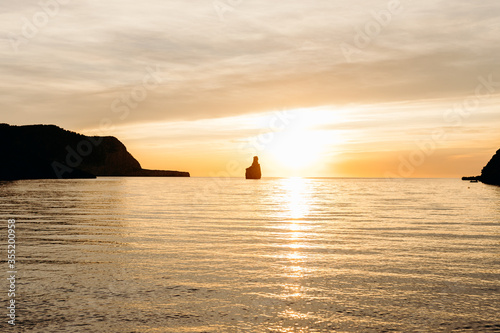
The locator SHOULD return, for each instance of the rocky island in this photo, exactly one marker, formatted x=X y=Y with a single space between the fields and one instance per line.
x=490 y=173
x=253 y=172
x=50 y=152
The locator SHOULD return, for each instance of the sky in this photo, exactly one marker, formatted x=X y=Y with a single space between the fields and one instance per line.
x=319 y=88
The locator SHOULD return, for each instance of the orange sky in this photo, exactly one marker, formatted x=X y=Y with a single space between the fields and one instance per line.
x=321 y=88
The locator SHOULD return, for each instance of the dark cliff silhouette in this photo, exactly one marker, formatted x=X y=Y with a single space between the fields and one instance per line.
x=50 y=152
x=490 y=173
x=253 y=172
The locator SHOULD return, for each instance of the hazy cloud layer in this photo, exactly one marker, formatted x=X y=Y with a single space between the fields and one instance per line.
x=220 y=58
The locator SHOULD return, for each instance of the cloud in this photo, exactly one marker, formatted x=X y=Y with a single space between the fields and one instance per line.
x=261 y=56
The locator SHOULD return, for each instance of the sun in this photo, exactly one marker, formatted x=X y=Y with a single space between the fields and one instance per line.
x=297 y=148
x=302 y=145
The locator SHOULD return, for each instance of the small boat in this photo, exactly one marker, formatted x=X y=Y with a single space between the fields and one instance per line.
x=474 y=181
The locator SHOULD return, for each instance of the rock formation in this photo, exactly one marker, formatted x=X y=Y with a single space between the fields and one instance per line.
x=491 y=172
x=472 y=178
x=50 y=152
x=253 y=172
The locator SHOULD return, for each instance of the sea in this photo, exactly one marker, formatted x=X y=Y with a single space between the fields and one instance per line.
x=235 y=255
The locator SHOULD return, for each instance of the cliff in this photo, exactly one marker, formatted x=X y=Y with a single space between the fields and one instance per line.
x=50 y=152
x=491 y=172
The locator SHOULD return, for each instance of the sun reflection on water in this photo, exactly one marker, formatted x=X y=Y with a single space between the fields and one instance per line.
x=295 y=201
x=296 y=196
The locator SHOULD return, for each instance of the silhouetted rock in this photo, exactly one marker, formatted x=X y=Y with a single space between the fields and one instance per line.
x=491 y=172
x=472 y=178
x=253 y=172
x=50 y=152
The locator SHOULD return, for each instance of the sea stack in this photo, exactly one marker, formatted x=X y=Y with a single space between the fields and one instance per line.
x=253 y=172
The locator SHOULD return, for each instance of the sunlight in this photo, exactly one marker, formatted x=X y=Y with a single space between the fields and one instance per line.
x=305 y=140
x=297 y=148
x=298 y=204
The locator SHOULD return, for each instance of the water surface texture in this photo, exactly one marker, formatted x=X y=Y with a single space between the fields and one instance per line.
x=235 y=255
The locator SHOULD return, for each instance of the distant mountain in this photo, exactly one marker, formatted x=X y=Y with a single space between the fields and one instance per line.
x=490 y=173
x=50 y=152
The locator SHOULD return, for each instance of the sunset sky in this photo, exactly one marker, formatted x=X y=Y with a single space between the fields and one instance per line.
x=319 y=88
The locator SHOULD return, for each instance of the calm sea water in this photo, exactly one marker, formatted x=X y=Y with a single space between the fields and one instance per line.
x=275 y=255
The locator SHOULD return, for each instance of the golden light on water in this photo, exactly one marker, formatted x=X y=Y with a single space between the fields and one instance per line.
x=296 y=198
x=325 y=270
